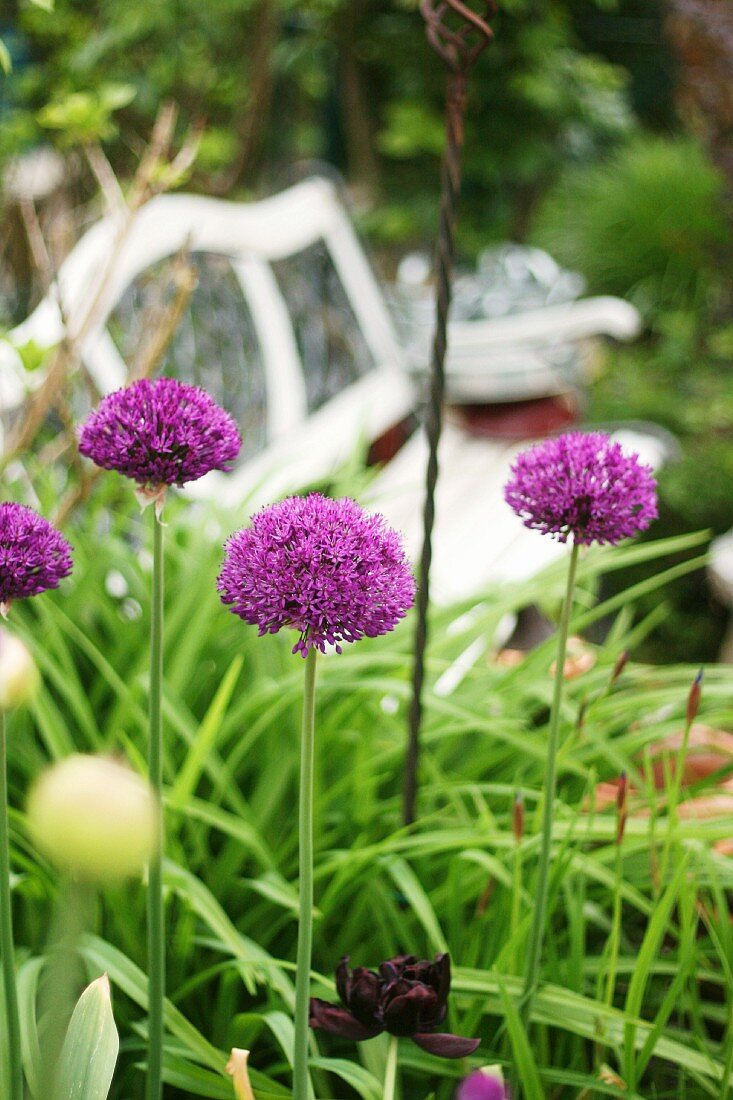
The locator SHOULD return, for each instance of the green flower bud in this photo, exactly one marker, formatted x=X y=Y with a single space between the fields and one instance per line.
x=94 y=817
x=19 y=677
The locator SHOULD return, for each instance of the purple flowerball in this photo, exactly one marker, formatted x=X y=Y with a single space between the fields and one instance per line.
x=325 y=567
x=481 y=1086
x=160 y=433
x=582 y=486
x=34 y=556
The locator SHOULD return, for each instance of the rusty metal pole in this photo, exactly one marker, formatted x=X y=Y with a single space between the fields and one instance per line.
x=458 y=35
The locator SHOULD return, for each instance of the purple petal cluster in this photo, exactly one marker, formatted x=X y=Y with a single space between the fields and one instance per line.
x=160 y=433
x=34 y=555
x=406 y=996
x=582 y=486
x=324 y=567
x=482 y=1086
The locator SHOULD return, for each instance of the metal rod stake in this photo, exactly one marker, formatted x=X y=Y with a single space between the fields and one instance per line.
x=458 y=46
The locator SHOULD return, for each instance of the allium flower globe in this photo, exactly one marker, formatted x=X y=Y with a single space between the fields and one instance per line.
x=407 y=996
x=582 y=486
x=34 y=555
x=160 y=433
x=323 y=567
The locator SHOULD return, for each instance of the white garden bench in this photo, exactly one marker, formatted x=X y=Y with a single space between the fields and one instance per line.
x=477 y=539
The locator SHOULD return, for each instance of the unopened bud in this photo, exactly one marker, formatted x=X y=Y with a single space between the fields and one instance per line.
x=237 y=1067
x=693 y=699
x=518 y=817
x=19 y=677
x=620 y=665
x=94 y=817
x=582 y=712
x=483 y=1084
x=621 y=807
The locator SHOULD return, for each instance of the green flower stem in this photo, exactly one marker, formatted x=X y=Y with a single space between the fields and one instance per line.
x=651 y=801
x=6 y=929
x=156 y=927
x=516 y=909
x=64 y=973
x=537 y=933
x=301 y=1082
x=609 y=972
x=673 y=799
x=390 y=1073
x=615 y=937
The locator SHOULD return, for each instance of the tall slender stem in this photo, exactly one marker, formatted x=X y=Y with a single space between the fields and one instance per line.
x=450 y=187
x=6 y=929
x=390 y=1073
x=63 y=973
x=301 y=1084
x=516 y=909
x=610 y=958
x=539 y=920
x=458 y=35
x=156 y=929
x=675 y=784
x=615 y=936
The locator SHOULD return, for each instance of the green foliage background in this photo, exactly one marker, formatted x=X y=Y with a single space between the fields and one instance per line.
x=357 y=83
x=457 y=880
x=572 y=141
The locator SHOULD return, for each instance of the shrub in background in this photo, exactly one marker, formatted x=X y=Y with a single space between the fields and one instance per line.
x=649 y=223
x=352 y=94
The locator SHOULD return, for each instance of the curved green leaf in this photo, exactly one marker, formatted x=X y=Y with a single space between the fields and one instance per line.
x=89 y=1054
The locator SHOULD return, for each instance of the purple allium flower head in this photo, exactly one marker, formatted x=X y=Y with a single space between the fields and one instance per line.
x=482 y=1086
x=160 y=433
x=407 y=996
x=324 y=567
x=34 y=556
x=582 y=486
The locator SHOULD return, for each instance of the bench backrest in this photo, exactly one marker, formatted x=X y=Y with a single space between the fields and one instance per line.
x=252 y=237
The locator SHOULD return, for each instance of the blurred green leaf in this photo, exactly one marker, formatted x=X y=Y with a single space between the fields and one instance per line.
x=89 y=1054
x=83 y=117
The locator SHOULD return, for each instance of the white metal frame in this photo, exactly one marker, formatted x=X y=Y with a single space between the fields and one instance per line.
x=476 y=538
x=254 y=235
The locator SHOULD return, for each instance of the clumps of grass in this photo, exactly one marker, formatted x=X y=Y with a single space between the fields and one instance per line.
x=648 y=222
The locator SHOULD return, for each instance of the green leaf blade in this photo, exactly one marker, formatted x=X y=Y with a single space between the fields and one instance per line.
x=89 y=1054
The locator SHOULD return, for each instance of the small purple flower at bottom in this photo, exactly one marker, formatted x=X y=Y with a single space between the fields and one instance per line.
x=34 y=555
x=583 y=486
x=407 y=997
x=160 y=433
x=482 y=1086
x=324 y=567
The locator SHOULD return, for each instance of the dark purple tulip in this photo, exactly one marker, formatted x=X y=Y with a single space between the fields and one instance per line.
x=482 y=1086
x=407 y=997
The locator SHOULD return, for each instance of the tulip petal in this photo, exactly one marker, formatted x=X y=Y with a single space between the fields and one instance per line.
x=442 y=965
x=445 y=1045
x=364 y=995
x=343 y=979
x=410 y=1011
x=392 y=968
x=337 y=1021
